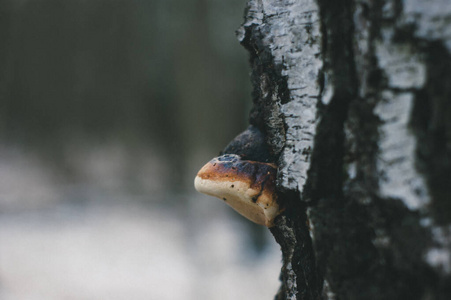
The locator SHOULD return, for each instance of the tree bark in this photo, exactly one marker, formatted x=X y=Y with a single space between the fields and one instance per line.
x=354 y=99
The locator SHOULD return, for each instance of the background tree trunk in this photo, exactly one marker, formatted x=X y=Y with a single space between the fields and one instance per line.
x=354 y=98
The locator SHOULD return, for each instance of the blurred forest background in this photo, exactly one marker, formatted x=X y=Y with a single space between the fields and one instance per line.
x=107 y=110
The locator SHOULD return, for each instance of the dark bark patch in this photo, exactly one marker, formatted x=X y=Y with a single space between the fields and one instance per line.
x=431 y=121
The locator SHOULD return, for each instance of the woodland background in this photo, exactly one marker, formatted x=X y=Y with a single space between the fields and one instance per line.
x=107 y=110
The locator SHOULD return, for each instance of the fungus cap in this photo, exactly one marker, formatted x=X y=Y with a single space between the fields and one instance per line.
x=247 y=186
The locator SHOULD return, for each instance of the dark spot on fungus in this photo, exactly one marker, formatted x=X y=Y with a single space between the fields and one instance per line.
x=232 y=186
x=254 y=199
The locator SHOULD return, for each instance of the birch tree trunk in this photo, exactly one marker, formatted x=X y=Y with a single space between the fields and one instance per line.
x=355 y=100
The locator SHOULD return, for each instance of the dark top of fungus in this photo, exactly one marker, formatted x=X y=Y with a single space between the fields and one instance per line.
x=250 y=145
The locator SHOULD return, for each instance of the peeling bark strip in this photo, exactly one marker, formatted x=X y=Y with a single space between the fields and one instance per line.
x=284 y=41
x=354 y=98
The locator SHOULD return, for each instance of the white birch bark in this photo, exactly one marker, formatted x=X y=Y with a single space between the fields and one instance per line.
x=355 y=101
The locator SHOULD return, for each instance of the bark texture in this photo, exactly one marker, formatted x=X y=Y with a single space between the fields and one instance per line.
x=355 y=100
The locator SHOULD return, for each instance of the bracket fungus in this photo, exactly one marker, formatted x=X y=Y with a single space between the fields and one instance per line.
x=247 y=186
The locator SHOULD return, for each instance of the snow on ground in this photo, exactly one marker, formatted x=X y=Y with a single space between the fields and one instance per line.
x=118 y=252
